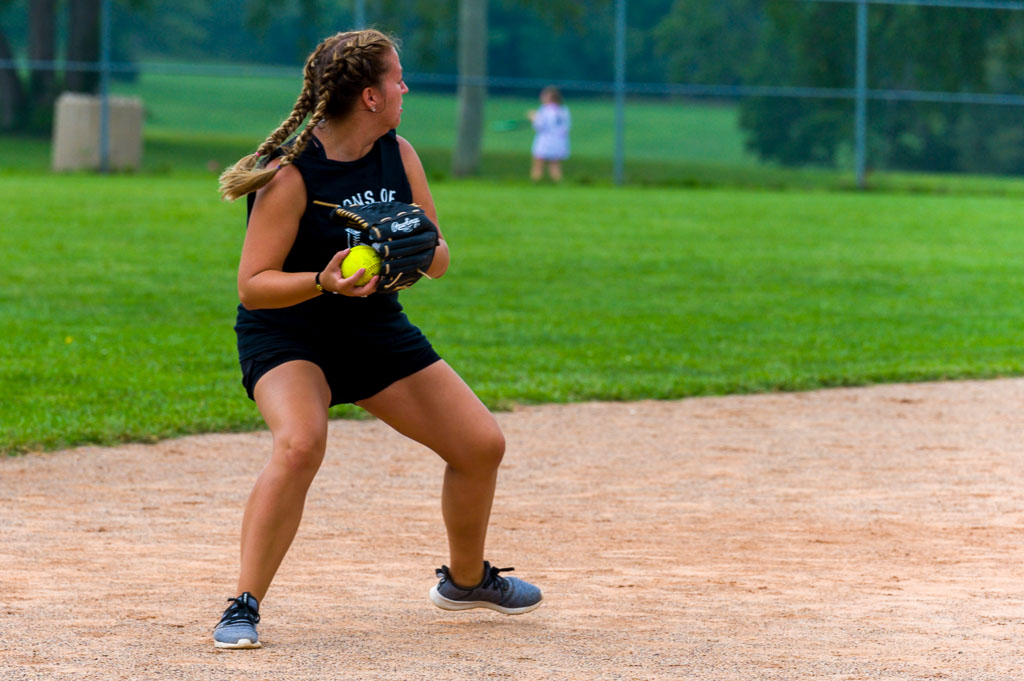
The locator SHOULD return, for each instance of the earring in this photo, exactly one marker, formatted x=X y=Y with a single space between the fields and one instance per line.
x=373 y=109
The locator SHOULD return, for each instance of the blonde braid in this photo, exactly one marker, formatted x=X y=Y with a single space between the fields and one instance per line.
x=323 y=99
x=248 y=174
x=303 y=105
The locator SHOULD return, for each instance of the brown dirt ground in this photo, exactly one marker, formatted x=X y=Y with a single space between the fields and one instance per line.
x=872 y=533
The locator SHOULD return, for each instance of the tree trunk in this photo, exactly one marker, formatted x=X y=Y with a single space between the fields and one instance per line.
x=471 y=95
x=42 y=39
x=83 y=45
x=12 y=94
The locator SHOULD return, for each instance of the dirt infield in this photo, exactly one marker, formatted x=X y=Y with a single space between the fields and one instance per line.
x=846 y=534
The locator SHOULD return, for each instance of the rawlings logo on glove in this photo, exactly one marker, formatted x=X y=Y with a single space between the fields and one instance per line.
x=406 y=225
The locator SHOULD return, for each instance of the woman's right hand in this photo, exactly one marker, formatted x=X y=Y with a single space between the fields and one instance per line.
x=331 y=279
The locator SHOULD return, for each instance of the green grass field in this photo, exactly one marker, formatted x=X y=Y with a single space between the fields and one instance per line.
x=118 y=297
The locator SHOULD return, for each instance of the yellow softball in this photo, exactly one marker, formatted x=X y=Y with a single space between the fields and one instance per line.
x=361 y=257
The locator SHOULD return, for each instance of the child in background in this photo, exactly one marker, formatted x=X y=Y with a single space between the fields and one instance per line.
x=551 y=142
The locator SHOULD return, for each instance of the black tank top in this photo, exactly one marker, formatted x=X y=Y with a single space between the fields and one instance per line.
x=321 y=321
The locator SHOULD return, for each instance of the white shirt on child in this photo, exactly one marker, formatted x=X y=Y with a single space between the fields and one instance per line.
x=551 y=123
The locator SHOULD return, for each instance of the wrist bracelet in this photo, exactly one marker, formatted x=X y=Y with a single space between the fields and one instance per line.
x=320 y=288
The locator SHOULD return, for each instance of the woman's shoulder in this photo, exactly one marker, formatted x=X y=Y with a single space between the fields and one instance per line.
x=287 y=184
x=286 y=191
x=410 y=159
x=401 y=141
x=405 y=148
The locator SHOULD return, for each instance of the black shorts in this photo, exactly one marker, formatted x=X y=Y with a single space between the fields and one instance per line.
x=349 y=380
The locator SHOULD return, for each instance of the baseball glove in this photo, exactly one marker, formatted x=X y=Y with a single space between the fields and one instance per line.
x=401 y=234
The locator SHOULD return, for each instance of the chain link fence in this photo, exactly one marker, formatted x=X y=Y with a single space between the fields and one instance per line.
x=678 y=92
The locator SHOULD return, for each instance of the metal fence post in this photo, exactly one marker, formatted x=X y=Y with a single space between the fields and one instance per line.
x=861 y=122
x=105 y=86
x=620 y=90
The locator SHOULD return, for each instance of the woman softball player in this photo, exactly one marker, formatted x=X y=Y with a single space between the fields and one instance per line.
x=297 y=319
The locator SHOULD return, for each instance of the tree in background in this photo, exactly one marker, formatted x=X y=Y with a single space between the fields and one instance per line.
x=807 y=45
x=911 y=48
x=42 y=46
x=991 y=138
x=952 y=51
x=427 y=31
x=305 y=21
x=83 y=44
x=709 y=42
x=471 y=95
x=12 y=93
x=26 y=105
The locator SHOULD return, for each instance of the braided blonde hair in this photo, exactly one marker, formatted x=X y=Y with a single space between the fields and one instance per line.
x=335 y=75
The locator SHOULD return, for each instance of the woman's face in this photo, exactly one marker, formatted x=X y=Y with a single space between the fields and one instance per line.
x=392 y=87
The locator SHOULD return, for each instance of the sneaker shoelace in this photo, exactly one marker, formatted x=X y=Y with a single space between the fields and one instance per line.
x=492 y=578
x=240 y=612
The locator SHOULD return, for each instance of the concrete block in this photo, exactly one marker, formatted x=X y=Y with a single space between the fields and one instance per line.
x=76 y=132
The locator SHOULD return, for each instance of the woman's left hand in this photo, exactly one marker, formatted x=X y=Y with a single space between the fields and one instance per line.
x=331 y=279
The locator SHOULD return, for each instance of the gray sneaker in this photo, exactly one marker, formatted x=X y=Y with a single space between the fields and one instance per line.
x=505 y=594
x=237 y=627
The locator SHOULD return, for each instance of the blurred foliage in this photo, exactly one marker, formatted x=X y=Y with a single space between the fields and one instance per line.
x=727 y=42
x=925 y=49
x=709 y=42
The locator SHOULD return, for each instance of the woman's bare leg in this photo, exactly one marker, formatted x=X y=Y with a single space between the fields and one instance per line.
x=293 y=399
x=437 y=409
